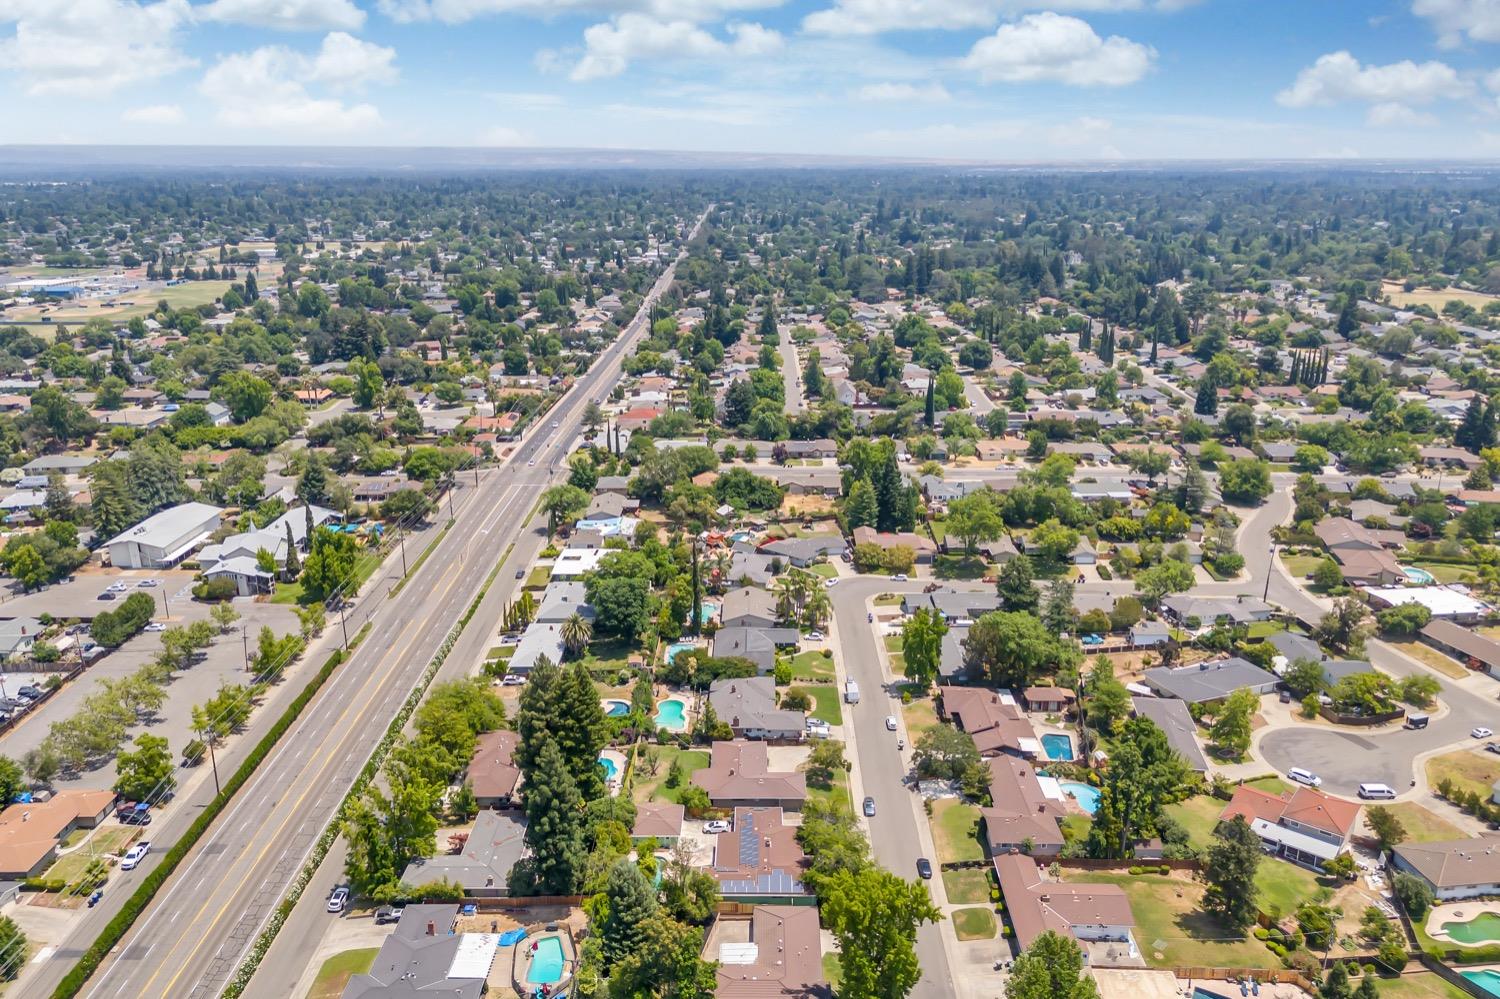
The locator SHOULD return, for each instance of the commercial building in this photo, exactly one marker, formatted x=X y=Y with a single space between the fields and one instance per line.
x=164 y=538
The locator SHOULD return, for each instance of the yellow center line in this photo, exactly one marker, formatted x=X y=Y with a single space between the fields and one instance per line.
x=347 y=732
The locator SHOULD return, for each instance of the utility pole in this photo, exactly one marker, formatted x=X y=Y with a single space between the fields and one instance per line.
x=344 y=627
x=164 y=612
x=245 y=644
x=213 y=762
x=1270 y=568
x=402 y=539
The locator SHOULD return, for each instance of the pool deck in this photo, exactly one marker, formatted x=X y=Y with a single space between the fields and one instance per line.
x=520 y=961
x=1458 y=912
x=619 y=761
x=687 y=712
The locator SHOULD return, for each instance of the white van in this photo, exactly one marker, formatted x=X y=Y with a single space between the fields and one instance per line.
x=1304 y=777
x=1382 y=792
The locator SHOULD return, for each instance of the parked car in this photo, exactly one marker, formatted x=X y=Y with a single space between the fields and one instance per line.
x=135 y=855
x=870 y=807
x=831 y=582
x=513 y=680
x=890 y=723
x=339 y=900
x=30 y=692
x=520 y=573
x=1481 y=733
x=148 y=583
x=924 y=868
x=1302 y=776
x=815 y=635
x=898 y=577
x=1493 y=747
x=134 y=813
x=716 y=826
x=106 y=595
x=388 y=914
x=155 y=626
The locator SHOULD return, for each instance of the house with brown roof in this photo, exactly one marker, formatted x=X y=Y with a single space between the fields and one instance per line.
x=1093 y=914
x=1026 y=810
x=759 y=858
x=31 y=831
x=1304 y=826
x=658 y=820
x=922 y=546
x=991 y=718
x=739 y=775
x=313 y=396
x=493 y=773
x=776 y=954
x=1053 y=699
x=1454 y=869
x=1466 y=646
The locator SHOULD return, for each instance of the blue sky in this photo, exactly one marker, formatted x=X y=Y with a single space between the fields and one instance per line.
x=1008 y=80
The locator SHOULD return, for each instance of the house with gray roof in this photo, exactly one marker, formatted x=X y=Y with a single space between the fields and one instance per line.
x=953 y=605
x=758 y=645
x=561 y=600
x=482 y=866
x=423 y=956
x=1173 y=718
x=541 y=638
x=748 y=704
x=803 y=552
x=1208 y=611
x=1209 y=681
x=747 y=607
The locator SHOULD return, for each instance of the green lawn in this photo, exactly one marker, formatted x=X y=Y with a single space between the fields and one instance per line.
x=959 y=567
x=832 y=970
x=1271 y=784
x=1199 y=815
x=966 y=886
x=337 y=971
x=921 y=716
x=1445 y=573
x=888 y=600
x=538 y=578
x=1423 y=826
x=826 y=705
x=1075 y=828
x=811 y=666
x=608 y=654
x=107 y=840
x=1283 y=886
x=974 y=924
x=955 y=831
x=1301 y=565
x=654 y=787
x=1264 y=629
x=1168 y=923
x=1424 y=985
x=824 y=569
x=837 y=795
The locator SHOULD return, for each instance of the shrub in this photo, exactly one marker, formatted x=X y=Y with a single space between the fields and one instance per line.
x=1103 y=571
x=827 y=653
x=214 y=590
x=1164 y=869
x=994 y=894
x=1261 y=933
x=1135 y=872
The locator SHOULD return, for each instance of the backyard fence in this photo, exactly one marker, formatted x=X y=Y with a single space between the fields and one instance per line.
x=1328 y=714
x=1453 y=978
x=1278 y=976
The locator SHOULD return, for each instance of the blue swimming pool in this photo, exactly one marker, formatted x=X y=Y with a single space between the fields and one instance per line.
x=617 y=709
x=678 y=647
x=1419 y=576
x=546 y=961
x=706 y=612
x=1487 y=979
x=1086 y=795
x=671 y=715
x=1057 y=746
x=611 y=768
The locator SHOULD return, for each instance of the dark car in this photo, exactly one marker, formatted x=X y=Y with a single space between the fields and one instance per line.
x=924 y=868
x=1493 y=747
x=520 y=573
x=106 y=595
x=29 y=692
x=870 y=807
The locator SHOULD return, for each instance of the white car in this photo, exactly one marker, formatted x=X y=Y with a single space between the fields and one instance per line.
x=554 y=424
x=155 y=626
x=339 y=899
x=531 y=462
x=1302 y=776
x=890 y=723
x=716 y=826
x=513 y=680
x=135 y=855
x=831 y=581
x=898 y=577
x=815 y=635
x=147 y=583
x=1481 y=733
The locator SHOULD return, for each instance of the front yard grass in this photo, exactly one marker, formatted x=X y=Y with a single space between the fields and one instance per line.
x=1170 y=927
x=1301 y=566
x=966 y=886
x=1422 y=825
x=974 y=924
x=833 y=970
x=959 y=567
x=955 y=831
x=811 y=666
x=538 y=578
x=1467 y=769
x=921 y=717
x=654 y=787
x=107 y=840
x=826 y=570
x=1427 y=655
x=338 y=969
x=826 y=706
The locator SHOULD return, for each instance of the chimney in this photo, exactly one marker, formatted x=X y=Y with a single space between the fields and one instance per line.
x=431 y=928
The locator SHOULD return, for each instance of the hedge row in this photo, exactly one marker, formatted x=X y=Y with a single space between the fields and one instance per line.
x=117 y=927
x=279 y=915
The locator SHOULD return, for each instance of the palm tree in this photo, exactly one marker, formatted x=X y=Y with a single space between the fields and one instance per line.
x=576 y=633
x=817 y=609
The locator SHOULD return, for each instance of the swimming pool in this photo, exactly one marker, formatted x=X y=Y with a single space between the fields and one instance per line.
x=706 y=613
x=1483 y=928
x=546 y=961
x=1488 y=979
x=1086 y=795
x=677 y=647
x=616 y=709
x=611 y=768
x=1419 y=576
x=671 y=714
x=1057 y=746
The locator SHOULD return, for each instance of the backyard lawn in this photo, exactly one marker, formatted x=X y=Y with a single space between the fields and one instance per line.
x=1423 y=826
x=811 y=666
x=967 y=886
x=1170 y=928
x=1467 y=769
x=1283 y=886
x=974 y=924
x=955 y=831
x=337 y=971
x=1445 y=573
x=1424 y=985
x=649 y=787
x=1424 y=653
x=613 y=654
x=832 y=970
x=826 y=706
x=1199 y=815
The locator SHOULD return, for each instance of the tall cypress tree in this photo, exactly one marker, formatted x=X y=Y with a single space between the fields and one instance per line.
x=1207 y=403
x=631 y=902
x=555 y=824
x=929 y=412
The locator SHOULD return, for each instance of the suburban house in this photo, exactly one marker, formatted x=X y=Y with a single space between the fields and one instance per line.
x=759 y=858
x=747 y=607
x=1053 y=700
x=777 y=952
x=573 y=563
x=748 y=705
x=541 y=638
x=1026 y=811
x=758 y=645
x=1466 y=646
x=482 y=864
x=164 y=538
x=1149 y=633
x=803 y=552
x=1361 y=552
x=423 y=956
x=922 y=547
x=30 y=832
x=493 y=774
x=236 y=557
x=953 y=605
x=1172 y=716
x=1183 y=609
x=1304 y=826
x=561 y=600
x=1098 y=916
x=658 y=820
x=1454 y=869
x=17 y=636
x=991 y=718
x=1209 y=681
x=739 y=774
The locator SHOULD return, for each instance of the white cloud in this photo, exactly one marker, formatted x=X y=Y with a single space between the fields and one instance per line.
x=869 y=17
x=285 y=15
x=909 y=93
x=1393 y=114
x=504 y=135
x=1055 y=47
x=1454 y=20
x=1338 y=77
x=154 y=114
x=527 y=101
x=267 y=87
x=459 y=11
x=92 y=47
x=610 y=47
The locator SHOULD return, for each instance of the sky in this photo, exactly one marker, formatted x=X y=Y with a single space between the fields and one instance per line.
x=985 y=80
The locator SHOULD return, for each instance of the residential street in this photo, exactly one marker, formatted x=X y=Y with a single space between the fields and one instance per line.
x=791 y=376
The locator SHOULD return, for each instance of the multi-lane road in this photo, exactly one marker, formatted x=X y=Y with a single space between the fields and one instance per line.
x=197 y=930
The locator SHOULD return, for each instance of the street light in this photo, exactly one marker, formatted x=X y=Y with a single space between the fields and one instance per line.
x=1270 y=568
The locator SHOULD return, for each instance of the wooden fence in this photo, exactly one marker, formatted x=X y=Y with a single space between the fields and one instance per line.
x=1453 y=978
x=1279 y=976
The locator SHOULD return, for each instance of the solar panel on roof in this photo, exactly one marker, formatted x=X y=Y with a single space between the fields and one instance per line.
x=749 y=841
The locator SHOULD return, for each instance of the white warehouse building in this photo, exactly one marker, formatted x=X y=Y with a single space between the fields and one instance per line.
x=164 y=538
